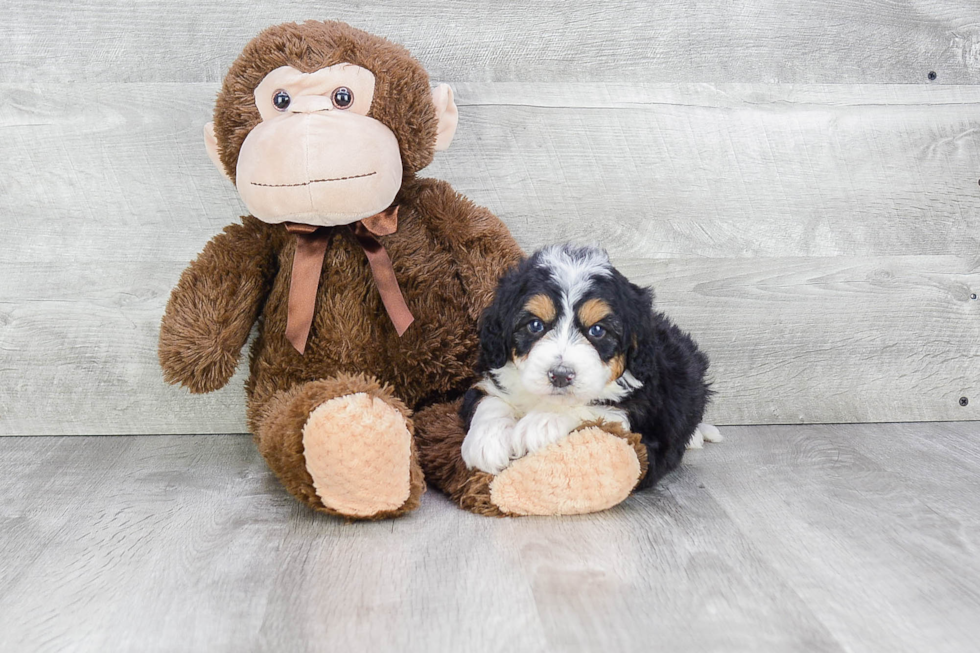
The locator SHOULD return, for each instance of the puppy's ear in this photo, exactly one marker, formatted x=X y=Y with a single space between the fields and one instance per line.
x=642 y=352
x=496 y=324
x=494 y=340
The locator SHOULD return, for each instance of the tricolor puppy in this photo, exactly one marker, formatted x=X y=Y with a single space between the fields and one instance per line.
x=567 y=340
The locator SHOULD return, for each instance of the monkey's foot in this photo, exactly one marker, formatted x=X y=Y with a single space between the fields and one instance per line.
x=358 y=451
x=342 y=445
x=593 y=468
x=590 y=470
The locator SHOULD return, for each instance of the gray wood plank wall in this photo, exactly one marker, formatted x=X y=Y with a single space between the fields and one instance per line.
x=802 y=196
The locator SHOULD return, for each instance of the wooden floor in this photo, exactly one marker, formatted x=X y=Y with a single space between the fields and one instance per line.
x=789 y=538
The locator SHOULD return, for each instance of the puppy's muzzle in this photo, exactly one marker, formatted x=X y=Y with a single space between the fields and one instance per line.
x=561 y=377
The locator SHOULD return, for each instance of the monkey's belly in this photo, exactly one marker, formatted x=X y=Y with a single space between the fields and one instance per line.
x=352 y=333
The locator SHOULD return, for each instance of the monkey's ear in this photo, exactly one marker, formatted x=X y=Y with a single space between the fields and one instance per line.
x=447 y=114
x=211 y=144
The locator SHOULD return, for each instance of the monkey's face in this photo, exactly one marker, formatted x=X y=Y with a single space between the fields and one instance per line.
x=317 y=157
x=319 y=123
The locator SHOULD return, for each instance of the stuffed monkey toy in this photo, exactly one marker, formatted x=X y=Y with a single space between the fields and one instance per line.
x=366 y=283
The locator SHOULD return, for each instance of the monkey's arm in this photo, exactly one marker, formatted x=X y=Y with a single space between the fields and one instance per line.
x=479 y=242
x=213 y=307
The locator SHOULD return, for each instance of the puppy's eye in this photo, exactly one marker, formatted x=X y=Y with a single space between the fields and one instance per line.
x=342 y=97
x=535 y=326
x=597 y=331
x=280 y=100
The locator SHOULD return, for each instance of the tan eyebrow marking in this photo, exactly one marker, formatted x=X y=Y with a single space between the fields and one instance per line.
x=541 y=306
x=592 y=311
x=617 y=366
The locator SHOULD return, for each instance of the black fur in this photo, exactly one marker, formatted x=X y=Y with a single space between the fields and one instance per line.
x=471 y=400
x=672 y=401
x=506 y=313
x=675 y=393
x=666 y=410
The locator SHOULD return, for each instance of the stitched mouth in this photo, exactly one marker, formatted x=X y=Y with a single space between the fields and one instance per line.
x=314 y=181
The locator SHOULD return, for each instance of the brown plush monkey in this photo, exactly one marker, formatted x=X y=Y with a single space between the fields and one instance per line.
x=366 y=281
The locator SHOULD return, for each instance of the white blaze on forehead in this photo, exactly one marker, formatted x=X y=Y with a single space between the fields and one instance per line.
x=574 y=268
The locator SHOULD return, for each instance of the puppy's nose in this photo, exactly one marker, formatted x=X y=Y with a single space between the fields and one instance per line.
x=561 y=377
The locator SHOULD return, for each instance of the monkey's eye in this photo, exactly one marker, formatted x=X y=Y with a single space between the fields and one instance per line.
x=342 y=97
x=280 y=100
x=535 y=326
x=597 y=331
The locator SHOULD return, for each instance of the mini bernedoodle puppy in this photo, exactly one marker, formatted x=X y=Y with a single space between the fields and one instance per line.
x=567 y=340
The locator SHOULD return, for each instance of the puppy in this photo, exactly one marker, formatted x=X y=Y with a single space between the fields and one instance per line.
x=567 y=340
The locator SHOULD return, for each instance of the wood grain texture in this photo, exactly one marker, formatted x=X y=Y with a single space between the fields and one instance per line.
x=85 y=361
x=853 y=519
x=838 y=228
x=726 y=170
x=654 y=171
x=835 y=339
x=817 y=538
x=766 y=41
x=791 y=340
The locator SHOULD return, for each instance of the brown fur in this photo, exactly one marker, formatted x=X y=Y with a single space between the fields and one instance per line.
x=447 y=255
x=214 y=306
x=279 y=435
x=439 y=434
x=541 y=306
x=592 y=311
x=402 y=96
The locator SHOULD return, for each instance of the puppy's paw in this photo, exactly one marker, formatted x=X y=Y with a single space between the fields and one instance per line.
x=704 y=433
x=537 y=430
x=487 y=446
x=710 y=433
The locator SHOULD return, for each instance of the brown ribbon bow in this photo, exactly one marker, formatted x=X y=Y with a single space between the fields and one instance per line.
x=311 y=247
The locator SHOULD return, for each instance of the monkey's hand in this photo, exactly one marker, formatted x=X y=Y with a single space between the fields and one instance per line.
x=213 y=307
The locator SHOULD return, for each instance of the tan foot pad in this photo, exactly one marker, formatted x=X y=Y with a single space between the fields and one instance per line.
x=588 y=471
x=358 y=451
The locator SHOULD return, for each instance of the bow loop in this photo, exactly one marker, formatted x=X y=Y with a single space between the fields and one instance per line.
x=382 y=224
x=311 y=247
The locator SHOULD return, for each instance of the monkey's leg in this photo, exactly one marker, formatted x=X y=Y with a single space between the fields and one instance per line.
x=343 y=446
x=594 y=468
